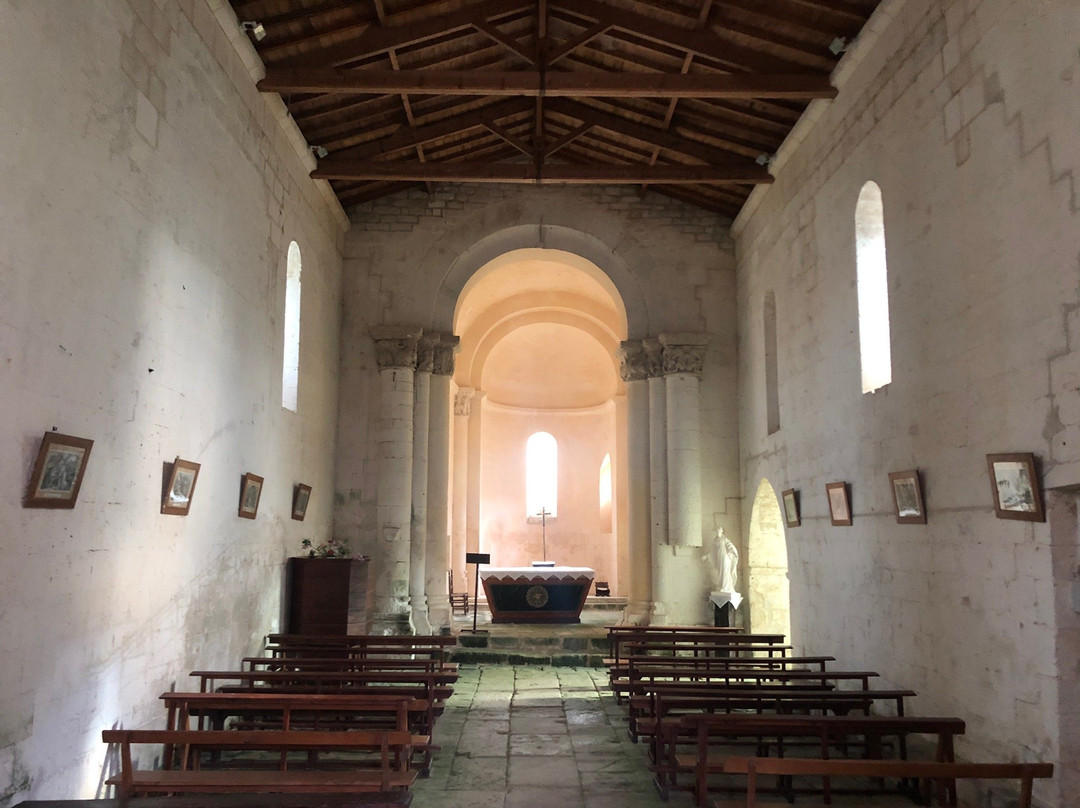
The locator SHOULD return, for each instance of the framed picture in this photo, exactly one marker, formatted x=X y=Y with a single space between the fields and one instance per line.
x=250 y=491
x=300 y=497
x=839 y=505
x=907 y=497
x=58 y=471
x=179 y=487
x=1016 y=486
x=791 y=508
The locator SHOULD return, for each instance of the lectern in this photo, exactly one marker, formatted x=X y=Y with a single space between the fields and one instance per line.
x=477 y=559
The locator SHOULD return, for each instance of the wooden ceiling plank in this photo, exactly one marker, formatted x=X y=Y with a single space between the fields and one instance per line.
x=849 y=12
x=796 y=86
x=629 y=174
x=379 y=40
x=572 y=44
x=495 y=129
x=701 y=42
x=568 y=138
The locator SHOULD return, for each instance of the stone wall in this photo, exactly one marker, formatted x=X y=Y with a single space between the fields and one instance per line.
x=408 y=256
x=965 y=113
x=148 y=196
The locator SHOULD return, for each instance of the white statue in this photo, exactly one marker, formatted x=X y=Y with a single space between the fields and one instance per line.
x=726 y=561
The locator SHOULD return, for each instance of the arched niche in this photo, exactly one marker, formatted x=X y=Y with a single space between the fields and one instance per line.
x=767 y=564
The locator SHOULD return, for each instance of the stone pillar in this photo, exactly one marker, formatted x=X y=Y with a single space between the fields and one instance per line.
x=438 y=484
x=665 y=583
x=462 y=407
x=395 y=353
x=425 y=354
x=684 y=358
x=633 y=369
x=472 y=521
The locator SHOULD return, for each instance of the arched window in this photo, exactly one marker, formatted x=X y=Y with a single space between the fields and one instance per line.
x=875 y=350
x=290 y=362
x=605 y=494
x=541 y=474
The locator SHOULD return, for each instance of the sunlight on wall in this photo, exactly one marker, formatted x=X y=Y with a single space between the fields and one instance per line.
x=605 y=494
x=875 y=350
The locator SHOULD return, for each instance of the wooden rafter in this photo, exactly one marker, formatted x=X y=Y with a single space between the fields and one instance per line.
x=800 y=86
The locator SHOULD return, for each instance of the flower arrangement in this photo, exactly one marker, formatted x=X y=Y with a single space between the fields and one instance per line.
x=333 y=548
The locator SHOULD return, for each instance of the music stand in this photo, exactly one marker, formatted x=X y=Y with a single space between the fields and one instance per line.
x=477 y=559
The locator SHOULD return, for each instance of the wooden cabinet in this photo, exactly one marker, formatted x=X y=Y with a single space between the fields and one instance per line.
x=329 y=596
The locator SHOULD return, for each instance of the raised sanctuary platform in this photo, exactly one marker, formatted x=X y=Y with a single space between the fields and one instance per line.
x=536 y=594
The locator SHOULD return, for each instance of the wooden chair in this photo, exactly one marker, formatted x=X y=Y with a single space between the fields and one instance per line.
x=456 y=601
x=603 y=589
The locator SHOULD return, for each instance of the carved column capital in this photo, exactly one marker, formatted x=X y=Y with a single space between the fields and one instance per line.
x=654 y=357
x=463 y=401
x=395 y=346
x=684 y=353
x=425 y=352
x=445 y=350
x=632 y=361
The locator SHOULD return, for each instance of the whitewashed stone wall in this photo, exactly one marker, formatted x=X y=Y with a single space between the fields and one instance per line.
x=404 y=260
x=966 y=113
x=148 y=195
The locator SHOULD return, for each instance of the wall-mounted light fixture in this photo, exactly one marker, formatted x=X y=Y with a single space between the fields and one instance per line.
x=839 y=45
x=319 y=151
x=256 y=29
x=764 y=159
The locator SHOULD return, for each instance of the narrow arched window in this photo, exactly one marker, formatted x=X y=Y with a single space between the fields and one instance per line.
x=875 y=349
x=290 y=362
x=605 y=494
x=541 y=474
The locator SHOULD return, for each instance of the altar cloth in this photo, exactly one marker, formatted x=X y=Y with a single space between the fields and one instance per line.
x=536 y=594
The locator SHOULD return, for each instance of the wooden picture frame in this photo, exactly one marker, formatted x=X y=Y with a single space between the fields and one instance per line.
x=58 y=471
x=250 y=494
x=790 y=498
x=839 y=503
x=907 y=497
x=300 y=498
x=179 y=487
x=1015 y=484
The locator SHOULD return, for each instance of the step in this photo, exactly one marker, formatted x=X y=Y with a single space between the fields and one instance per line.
x=558 y=651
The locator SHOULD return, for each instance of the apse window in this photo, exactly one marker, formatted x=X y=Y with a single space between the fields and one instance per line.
x=290 y=362
x=605 y=494
x=875 y=349
x=541 y=475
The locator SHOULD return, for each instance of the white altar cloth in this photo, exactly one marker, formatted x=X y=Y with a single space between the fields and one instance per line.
x=537 y=574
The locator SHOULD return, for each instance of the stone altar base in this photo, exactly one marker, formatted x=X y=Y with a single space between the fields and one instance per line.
x=581 y=644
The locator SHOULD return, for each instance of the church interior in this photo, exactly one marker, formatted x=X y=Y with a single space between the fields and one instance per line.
x=699 y=296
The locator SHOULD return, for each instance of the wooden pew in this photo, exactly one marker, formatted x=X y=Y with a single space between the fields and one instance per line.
x=829 y=731
x=623 y=677
x=362 y=644
x=945 y=773
x=304 y=663
x=328 y=681
x=392 y=799
x=624 y=643
x=393 y=750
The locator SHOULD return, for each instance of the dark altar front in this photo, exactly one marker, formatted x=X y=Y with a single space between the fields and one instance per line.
x=536 y=594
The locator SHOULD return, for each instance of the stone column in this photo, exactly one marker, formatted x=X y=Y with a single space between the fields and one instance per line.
x=462 y=407
x=633 y=369
x=395 y=353
x=684 y=358
x=472 y=521
x=665 y=583
x=438 y=484
x=425 y=354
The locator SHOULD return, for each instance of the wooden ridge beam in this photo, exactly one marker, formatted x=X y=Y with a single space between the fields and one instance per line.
x=521 y=173
x=792 y=86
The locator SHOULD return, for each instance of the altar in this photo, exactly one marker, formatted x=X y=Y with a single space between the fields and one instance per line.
x=536 y=594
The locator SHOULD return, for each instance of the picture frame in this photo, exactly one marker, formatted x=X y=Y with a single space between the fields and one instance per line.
x=250 y=494
x=300 y=499
x=180 y=481
x=907 y=497
x=839 y=503
x=58 y=471
x=1015 y=484
x=790 y=498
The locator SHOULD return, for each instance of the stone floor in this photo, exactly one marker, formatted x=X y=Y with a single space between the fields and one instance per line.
x=531 y=737
x=528 y=737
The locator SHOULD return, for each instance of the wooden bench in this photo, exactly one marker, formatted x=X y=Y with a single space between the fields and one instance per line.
x=393 y=750
x=376 y=799
x=624 y=643
x=329 y=681
x=634 y=669
x=941 y=772
x=829 y=731
x=361 y=644
x=338 y=663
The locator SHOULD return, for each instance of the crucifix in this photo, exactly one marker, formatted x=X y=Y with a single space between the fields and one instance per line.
x=543 y=527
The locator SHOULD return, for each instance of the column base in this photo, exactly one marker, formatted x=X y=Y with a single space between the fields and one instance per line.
x=439 y=617
x=420 y=619
x=637 y=613
x=392 y=624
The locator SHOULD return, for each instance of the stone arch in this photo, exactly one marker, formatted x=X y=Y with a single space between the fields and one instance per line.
x=767 y=563
x=617 y=269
